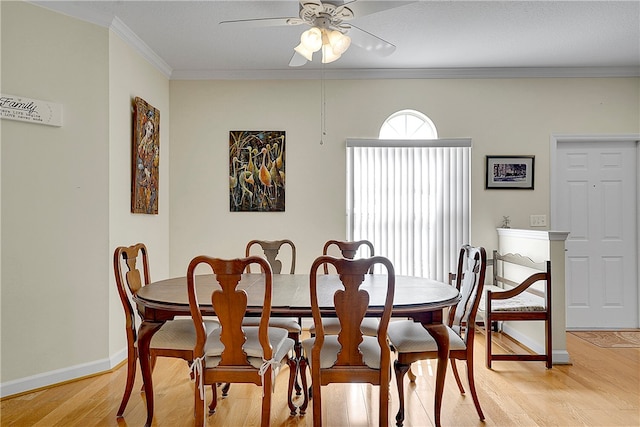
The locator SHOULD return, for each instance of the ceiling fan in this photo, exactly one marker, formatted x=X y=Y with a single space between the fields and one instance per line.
x=329 y=32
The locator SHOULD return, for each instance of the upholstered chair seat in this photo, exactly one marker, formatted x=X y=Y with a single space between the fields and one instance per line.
x=278 y=339
x=369 y=348
x=412 y=337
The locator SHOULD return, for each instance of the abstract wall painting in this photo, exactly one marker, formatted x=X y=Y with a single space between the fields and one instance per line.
x=256 y=171
x=145 y=158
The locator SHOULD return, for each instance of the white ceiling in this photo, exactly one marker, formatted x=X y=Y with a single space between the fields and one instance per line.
x=433 y=38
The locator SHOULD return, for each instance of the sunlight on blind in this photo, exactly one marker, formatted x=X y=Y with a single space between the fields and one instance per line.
x=411 y=200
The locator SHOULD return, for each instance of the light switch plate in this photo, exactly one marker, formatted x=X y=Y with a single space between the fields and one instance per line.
x=538 y=220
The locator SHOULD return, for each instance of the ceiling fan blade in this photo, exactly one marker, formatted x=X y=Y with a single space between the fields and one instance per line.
x=362 y=7
x=316 y=2
x=369 y=42
x=297 y=60
x=263 y=22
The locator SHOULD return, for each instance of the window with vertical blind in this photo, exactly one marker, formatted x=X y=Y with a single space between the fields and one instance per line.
x=411 y=197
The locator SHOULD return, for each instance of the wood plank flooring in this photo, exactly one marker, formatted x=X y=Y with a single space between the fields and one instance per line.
x=600 y=388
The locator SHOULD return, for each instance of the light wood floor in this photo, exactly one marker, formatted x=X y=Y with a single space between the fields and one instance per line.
x=600 y=388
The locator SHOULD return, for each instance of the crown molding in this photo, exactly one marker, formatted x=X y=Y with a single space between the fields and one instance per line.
x=76 y=11
x=108 y=20
x=112 y=22
x=125 y=33
x=422 y=73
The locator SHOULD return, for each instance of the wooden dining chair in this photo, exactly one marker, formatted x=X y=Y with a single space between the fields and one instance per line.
x=176 y=338
x=347 y=249
x=350 y=356
x=235 y=353
x=271 y=250
x=412 y=342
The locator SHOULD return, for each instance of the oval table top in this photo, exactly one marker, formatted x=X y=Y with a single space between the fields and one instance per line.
x=291 y=295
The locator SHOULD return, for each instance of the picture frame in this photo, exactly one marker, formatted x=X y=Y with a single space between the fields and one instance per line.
x=257 y=162
x=145 y=158
x=510 y=172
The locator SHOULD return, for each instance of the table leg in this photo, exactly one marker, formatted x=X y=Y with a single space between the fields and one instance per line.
x=145 y=333
x=440 y=334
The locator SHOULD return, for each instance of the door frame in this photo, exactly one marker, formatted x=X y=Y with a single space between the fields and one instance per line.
x=555 y=139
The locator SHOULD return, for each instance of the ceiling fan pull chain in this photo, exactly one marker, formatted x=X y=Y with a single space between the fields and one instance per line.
x=323 y=106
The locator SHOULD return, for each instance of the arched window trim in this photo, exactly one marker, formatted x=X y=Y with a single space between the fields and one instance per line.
x=429 y=129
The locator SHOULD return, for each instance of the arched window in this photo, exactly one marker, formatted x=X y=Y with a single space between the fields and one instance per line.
x=408 y=124
x=409 y=194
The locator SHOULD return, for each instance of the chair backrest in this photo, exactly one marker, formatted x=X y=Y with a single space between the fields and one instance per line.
x=271 y=249
x=230 y=305
x=351 y=304
x=347 y=249
x=131 y=281
x=472 y=266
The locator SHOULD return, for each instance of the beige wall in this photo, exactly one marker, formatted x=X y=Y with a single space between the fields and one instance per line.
x=66 y=195
x=502 y=116
x=54 y=195
x=130 y=76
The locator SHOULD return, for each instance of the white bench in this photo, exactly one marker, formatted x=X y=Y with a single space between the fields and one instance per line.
x=521 y=291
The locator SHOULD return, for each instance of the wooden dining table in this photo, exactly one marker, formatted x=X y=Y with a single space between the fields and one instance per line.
x=421 y=299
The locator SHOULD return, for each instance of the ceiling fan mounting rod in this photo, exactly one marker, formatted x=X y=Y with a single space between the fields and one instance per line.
x=325 y=15
x=324 y=21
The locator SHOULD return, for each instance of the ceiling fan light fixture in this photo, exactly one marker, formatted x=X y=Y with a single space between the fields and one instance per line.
x=339 y=42
x=312 y=39
x=302 y=50
x=328 y=54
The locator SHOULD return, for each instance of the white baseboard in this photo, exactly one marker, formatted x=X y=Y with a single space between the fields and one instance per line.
x=47 y=379
x=560 y=357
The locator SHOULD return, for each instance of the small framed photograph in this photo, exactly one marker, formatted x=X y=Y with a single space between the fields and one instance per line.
x=510 y=172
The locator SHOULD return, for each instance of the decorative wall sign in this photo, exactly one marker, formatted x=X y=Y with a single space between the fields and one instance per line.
x=256 y=171
x=145 y=158
x=30 y=110
x=510 y=172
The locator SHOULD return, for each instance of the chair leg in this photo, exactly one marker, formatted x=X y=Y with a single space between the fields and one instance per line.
x=384 y=402
x=412 y=376
x=317 y=402
x=302 y=367
x=548 y=343
x=132 y=360
x=153 y=359
x=199 y=405
x=293 y=371
x=400 y=370
x=298 y=352
x=454 y=368
x=487 y=333
x=472 y=387
x=225 y=389
x=214 y=399
x=266 y=398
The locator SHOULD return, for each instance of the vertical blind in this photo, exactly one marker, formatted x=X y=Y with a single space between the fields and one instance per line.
x=411 y=199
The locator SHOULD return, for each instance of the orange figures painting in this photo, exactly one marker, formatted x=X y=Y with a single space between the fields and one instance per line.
x=256 y=171
x=146 y=158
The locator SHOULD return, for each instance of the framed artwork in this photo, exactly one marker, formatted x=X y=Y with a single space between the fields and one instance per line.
x=510 y=172
x=256 y=171
x=145 y=158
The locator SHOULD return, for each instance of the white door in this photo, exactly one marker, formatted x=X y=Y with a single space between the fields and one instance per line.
x=597 y=204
